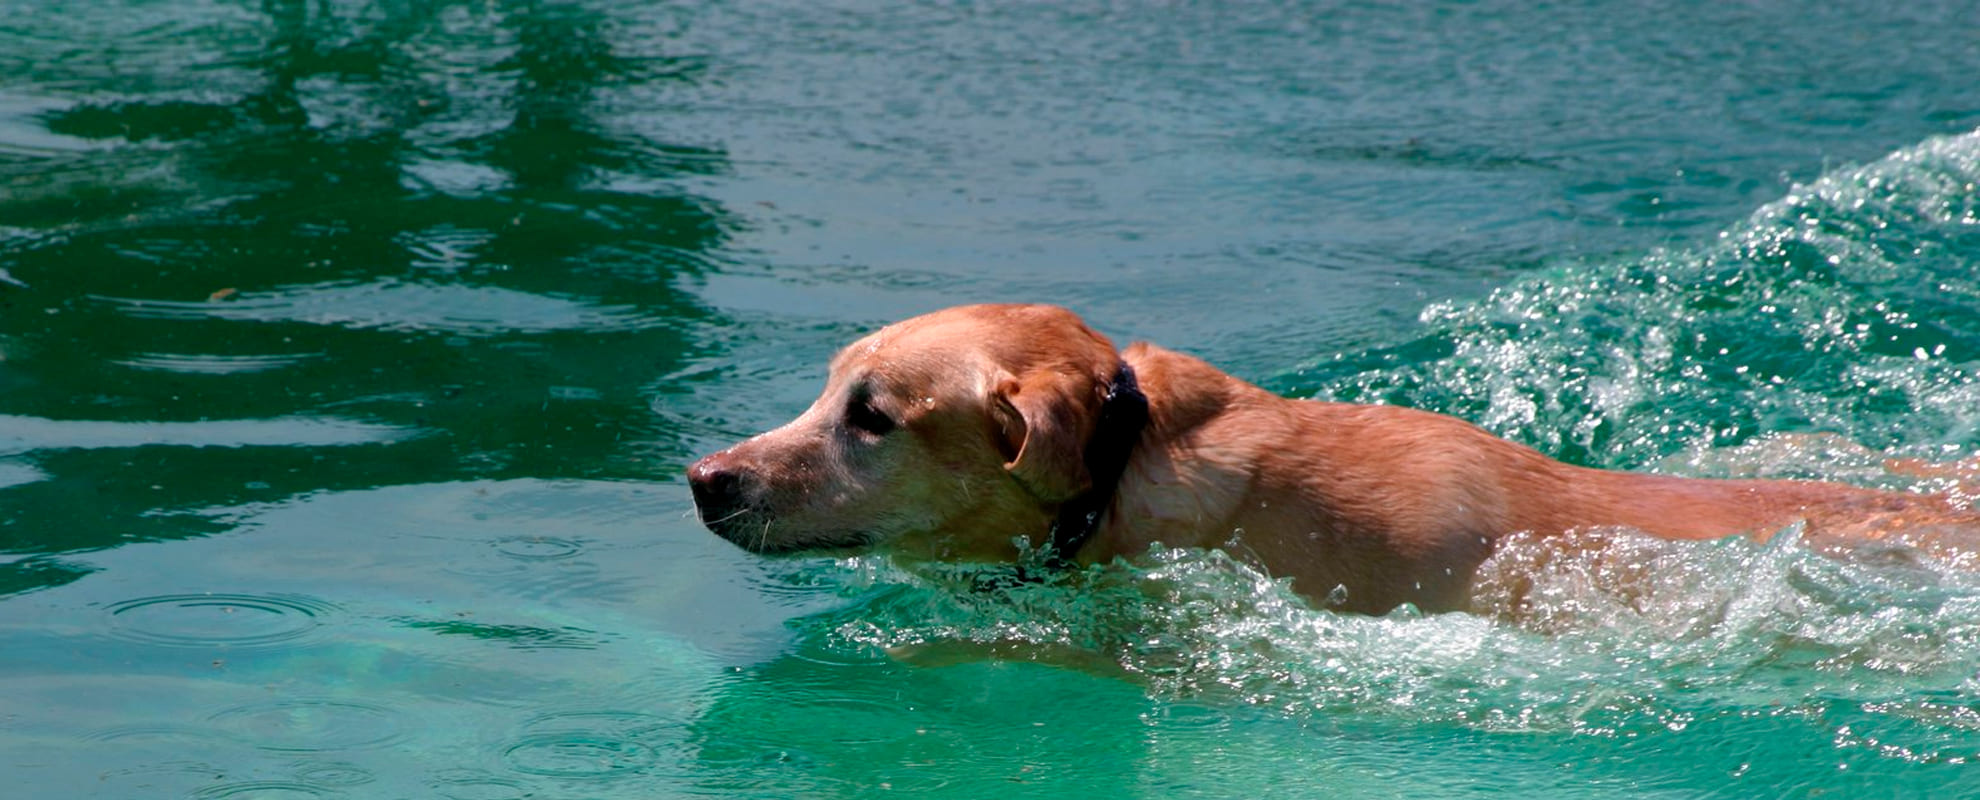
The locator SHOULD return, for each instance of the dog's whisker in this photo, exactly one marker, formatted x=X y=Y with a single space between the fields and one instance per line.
x=726 y=517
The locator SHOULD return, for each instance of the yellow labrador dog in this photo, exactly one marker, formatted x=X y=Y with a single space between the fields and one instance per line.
x=957 y=434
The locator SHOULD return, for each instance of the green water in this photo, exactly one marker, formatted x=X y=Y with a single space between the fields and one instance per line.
x=350 y=354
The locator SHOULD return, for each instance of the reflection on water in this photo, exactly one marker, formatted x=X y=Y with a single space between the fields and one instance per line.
x=28 y=434
x=426 y=220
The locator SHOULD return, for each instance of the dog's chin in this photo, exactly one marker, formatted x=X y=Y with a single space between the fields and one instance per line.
x=756 y=537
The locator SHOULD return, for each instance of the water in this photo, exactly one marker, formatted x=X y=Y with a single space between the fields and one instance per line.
x=350 y=355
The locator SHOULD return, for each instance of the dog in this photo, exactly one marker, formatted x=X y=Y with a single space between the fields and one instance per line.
x=981 y=432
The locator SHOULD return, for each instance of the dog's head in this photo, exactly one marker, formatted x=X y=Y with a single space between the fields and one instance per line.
x=945 y=436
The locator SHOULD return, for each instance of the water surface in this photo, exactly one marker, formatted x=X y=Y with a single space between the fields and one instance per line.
x=350 y=354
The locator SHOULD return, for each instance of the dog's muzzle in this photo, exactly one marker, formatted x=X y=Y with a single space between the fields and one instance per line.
x=719 y=495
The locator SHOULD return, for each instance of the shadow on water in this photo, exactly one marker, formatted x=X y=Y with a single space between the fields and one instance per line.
x=417 y=223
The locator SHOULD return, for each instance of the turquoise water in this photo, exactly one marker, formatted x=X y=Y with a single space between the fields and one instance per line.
x=350 y=355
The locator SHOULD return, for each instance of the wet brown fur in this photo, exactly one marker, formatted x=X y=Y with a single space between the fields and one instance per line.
x=1364 y=507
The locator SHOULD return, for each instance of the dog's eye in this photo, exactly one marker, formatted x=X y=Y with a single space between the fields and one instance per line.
x=861 y=414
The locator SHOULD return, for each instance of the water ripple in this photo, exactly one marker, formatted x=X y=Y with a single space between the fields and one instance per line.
x=313 y=725
x=264 y=790
x=538 y=548
x=467 y=784
x=1607 y=634
x=577 y=756
x=217 y=619
x=335 y=775
x=401 y=306
x=632 y=725
x=1183 y=716
x=592 y=744
x=1846 y=306
x=209 y=364
x=177 y=778
x=153 y=731
x=22 y=433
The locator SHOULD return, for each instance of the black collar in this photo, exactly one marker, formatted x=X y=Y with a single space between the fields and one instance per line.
x=1123 y=415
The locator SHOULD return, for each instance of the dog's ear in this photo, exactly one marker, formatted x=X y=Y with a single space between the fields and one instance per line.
x=1044 y=420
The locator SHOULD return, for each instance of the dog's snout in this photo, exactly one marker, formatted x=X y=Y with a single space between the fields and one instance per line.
x=715 y=480
x=717 y=485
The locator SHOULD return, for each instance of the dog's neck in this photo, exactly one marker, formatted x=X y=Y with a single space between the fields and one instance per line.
x=1123 y=415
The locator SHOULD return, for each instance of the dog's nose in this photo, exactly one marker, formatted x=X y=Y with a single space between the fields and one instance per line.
x=717 y=487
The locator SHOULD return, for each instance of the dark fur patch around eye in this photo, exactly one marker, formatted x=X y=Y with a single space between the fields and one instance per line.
x=862 y=415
